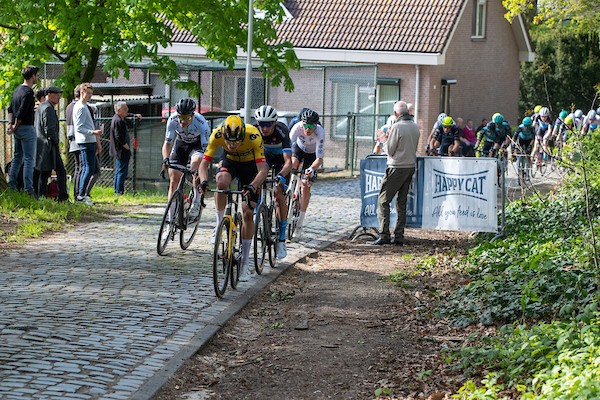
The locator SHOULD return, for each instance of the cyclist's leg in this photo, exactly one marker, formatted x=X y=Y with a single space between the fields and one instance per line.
x=305 y=187
x=223 y=178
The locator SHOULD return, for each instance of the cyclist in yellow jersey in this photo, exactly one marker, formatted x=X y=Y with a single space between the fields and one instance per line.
x=243 y=158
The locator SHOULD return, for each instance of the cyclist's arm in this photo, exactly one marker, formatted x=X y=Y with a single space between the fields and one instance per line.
x=263 y=171
x=287 y=164
x=203 y=170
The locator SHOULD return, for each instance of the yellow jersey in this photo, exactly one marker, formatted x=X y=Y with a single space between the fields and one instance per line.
x=251 y=148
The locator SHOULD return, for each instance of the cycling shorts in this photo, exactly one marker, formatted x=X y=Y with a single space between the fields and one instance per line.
x=245 y=171
x=305 y=158
x=182 y=152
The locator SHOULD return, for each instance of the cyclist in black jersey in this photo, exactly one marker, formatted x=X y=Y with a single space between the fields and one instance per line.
x=278 y=154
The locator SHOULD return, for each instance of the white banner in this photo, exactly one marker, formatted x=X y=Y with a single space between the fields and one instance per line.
x=460 y=194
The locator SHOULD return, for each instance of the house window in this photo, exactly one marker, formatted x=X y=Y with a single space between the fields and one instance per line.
x=234 y=92
x=445 y=95
x=479 y=17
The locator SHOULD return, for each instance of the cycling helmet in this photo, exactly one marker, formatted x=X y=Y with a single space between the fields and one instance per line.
x=544 y=112
x=310 y=117
x=591 y=115
x=233 y=128
x=598 y=111
x=448 y=121
x=563 y=114
x=527 y=121
x=537 y=109
x=441 y=117
x=498 y=118
x=569 y=120
x=265 y=114
x=578 y=114
x=185 y=106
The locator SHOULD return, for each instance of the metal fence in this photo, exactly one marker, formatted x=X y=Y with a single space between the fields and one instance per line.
x=346 y=144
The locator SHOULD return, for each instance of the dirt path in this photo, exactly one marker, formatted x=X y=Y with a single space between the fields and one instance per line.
x=331 y=327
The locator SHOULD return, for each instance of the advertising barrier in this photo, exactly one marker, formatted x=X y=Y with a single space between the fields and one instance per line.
x=446 y=193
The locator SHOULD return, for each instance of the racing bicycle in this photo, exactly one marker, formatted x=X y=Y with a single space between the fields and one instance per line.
x=175 y=218
x=227 y=253
x=265 y=226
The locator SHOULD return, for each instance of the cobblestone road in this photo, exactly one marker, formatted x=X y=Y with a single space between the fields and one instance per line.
x=95 y=313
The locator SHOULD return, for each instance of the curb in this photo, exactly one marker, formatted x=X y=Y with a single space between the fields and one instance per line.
x=203 y=337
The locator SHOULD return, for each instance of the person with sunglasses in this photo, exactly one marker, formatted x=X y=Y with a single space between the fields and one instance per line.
x=244 y=159
x=307 y=138
x=185 y=140
x=278 y=153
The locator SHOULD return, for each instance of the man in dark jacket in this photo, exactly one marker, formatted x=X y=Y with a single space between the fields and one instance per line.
x=120 y=144
x=48 y=154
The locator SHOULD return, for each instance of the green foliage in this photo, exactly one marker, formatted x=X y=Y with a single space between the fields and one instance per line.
x=383 y=391
x=564 y=73
x=558 y=360
x=114 y=33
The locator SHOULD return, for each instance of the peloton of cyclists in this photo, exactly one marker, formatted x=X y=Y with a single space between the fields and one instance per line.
x=307 y=138
x=243 y=158
x=186 y=138
x=278 y=154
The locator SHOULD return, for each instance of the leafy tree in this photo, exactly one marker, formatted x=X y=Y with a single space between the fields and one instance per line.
x=584 y=15
x=85 y=34
x=565 y=73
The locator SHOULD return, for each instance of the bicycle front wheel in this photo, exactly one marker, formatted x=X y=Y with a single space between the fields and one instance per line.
x=293 y=215
x=221 y=258
x=168 y=226
x=187 y=234
x=261 y=238
x=236 y=253
x=273 y=236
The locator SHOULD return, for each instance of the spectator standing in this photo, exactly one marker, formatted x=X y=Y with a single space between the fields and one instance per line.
x=73 y=146
x=21 y=117
x=401 y=148
x=120 y=145
x=86 y=136
x=48 y=153
x=40 y=95
x=468 y=139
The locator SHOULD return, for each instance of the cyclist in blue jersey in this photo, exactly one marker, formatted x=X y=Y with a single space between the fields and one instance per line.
x=278 y=154
x=186 y=139
x=522 y=139
x=495 y=136
x=542 y=127
x=590 y=123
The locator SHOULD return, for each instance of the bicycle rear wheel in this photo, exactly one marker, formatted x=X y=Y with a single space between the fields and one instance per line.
x=168 y=226
x=187 y=234
x=221 y=258
x=261 y=238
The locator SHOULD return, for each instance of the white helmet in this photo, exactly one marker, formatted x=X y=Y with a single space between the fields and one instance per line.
x=544 y=112
x=441 y=117
x=591 y=114
x=578 y=114
x=265 y=113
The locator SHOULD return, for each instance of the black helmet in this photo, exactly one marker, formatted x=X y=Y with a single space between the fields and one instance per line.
x=233 y=128
x=186 y=106
x=309 y=116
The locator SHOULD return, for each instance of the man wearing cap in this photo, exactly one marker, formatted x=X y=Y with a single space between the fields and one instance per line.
x=48 y=154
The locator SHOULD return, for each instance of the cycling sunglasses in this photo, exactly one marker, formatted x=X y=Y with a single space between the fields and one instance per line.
x=309 y=126
x=185 y=117
x=267 y=124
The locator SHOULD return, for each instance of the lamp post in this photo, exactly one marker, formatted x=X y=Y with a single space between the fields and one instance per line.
x=248 y=88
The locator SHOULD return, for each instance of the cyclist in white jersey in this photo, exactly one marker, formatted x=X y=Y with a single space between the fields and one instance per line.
x=186 y=138
x=307 y=139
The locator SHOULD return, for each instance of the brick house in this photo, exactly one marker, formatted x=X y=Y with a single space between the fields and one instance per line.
x=461 y=57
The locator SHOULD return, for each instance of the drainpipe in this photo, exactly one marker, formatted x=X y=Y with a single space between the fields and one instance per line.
x=417 y=91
